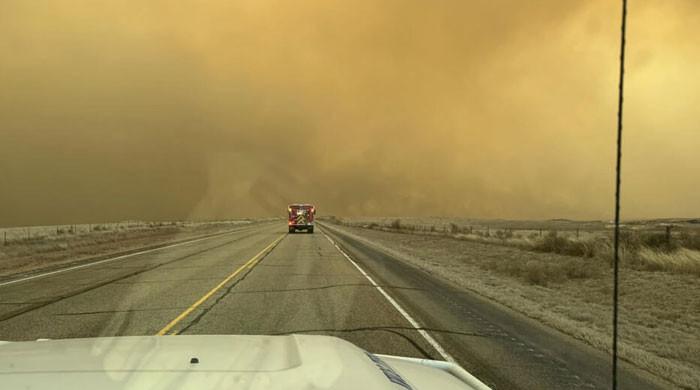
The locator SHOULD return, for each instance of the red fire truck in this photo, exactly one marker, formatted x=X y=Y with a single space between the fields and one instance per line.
x=301 y=217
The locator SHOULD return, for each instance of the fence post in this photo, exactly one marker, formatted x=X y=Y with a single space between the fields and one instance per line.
x=4 y=240
x=540 y=232
x=576 y=232
x=29 y=234
x=668 y=235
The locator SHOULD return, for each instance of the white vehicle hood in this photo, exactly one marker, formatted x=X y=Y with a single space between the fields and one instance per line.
x=217 y=362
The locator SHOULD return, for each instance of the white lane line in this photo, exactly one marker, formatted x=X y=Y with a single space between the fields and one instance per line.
x=398 y=307
x=111 y=259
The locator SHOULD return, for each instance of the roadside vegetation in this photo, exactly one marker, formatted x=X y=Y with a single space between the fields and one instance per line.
x=28 y=249
x=565 y=282
x=656 y=249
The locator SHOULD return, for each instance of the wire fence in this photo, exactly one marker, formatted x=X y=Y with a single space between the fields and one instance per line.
x=661 y=232
x=23 y=234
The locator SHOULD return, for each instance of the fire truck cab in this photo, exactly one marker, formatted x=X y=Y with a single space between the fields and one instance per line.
x=301 y=217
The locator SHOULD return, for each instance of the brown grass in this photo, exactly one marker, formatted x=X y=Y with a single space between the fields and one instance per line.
x=545 y=272
x=659 y=311
x=685 y=261
x=53 y=247
x=644 y=250
x=555 y=243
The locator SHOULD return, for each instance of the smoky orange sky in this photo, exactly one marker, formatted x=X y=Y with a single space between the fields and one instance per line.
x=133 y=109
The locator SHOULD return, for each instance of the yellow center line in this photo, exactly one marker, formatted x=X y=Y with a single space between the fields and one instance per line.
x=249 y=264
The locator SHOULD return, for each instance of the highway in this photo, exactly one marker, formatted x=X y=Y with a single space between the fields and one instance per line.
x=261 y=280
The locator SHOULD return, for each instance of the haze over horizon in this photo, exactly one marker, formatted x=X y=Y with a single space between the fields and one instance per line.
x=158 y=110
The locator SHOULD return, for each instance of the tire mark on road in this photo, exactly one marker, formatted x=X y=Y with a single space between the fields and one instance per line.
x=221 y=296
x=87 y=313
x=245 y=268
x=59 y=298
x=525 y=350
x=322 y=288
x=390 y=329
x=106 y=258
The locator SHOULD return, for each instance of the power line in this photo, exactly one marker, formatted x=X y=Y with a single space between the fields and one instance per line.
x=616 y=259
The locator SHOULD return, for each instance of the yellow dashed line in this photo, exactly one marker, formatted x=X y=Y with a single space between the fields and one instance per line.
x=249 y=264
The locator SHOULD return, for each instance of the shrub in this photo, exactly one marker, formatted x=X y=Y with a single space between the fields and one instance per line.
x=541 y=273
x=581 y=269
x=395 y=224
x=565 y=246
x=544 y=272
x=680 y=261
x=506 y=267
x=659 y=241
x=504 y=234
x=689 y=240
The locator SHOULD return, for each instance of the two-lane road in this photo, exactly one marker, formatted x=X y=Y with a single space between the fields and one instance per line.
x=303 y=285
x=260 y=280
x=136 y=295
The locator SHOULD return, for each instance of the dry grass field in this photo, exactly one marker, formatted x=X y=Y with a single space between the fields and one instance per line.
x=659 y=245
x=29 y=249
x=565 y=282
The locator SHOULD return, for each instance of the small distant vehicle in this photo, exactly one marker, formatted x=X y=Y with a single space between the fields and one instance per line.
x=301 y=217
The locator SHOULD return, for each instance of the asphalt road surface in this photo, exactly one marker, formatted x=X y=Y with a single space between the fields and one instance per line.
x=261 y=280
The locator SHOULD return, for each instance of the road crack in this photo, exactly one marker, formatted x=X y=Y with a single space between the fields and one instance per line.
x=36 y=306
